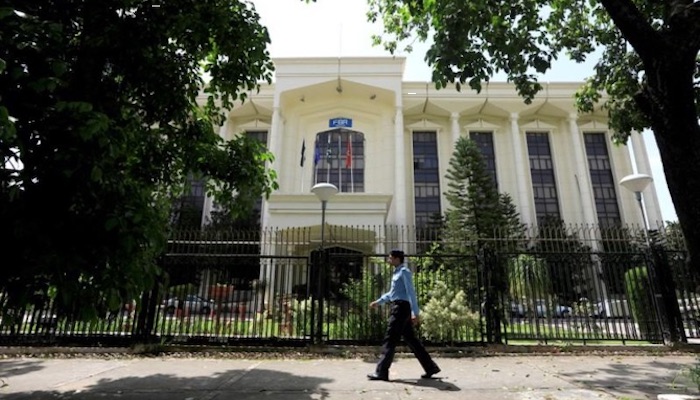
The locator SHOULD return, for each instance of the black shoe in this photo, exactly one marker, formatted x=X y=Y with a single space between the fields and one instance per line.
x=429 y=374
x=376 y=377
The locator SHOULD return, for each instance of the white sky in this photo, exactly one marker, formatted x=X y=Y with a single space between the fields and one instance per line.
x=339 y=28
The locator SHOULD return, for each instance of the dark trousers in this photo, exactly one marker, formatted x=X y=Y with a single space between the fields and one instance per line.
x=400 y=324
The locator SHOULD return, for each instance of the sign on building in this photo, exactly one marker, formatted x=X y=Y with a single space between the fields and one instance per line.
x=340 y=123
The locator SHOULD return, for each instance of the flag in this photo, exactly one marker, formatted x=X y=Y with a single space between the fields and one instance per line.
x=329 y=151
x=303 y=153
x=317 y=154
x=348 y=154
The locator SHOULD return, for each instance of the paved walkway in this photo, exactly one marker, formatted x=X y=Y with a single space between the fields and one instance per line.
x=522 y=377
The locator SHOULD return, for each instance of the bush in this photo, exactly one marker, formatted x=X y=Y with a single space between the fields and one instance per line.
x=641 y=301
x=446 y=317
x=363 y=323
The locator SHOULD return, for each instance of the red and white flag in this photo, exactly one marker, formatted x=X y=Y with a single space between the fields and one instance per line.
x=348 y=153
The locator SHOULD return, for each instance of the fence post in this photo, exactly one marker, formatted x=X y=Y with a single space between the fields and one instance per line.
x=492 y=272
x=316 y=297
x=672 y=320
x=145 y=318
x=322 y=265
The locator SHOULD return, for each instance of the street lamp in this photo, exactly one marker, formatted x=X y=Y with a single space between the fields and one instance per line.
x=636 y=183
x=665 y=299
x=324 y=191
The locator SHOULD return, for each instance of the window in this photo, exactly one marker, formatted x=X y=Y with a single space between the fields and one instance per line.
x=484 y=141
x=426 y=178
x=602 y=181
x=339 y=158
x=188 y=210
x=544 y=186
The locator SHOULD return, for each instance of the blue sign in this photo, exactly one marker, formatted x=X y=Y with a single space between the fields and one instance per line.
x=340 y=123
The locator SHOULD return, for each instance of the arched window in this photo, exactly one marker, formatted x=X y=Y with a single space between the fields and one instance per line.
x=339 y=158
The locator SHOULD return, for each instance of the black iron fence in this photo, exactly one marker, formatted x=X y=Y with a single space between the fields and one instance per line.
x=572 y=284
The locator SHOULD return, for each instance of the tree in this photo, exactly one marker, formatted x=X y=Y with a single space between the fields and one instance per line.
x=479 y=222
x=649 y=67
x=477 y=210
x=100 y=126
x=570 y=266
x=529 y=282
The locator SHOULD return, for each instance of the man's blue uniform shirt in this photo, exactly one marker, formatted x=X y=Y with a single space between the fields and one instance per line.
x=402 y=288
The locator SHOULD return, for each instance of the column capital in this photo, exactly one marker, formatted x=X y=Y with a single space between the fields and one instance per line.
x=514 y=117
x=454 y=115
x=573 y=117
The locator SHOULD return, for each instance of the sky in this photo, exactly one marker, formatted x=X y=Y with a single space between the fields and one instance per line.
x=339 y=28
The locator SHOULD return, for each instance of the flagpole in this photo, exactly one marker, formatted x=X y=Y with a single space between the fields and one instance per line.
x=317 y=159
x=328 y=159
x=303 y=163
x=352 y=165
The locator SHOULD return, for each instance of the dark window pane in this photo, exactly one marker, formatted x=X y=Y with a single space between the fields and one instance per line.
x=602 y=181
x=426 y=177
x=542 y=173
x=484 y=141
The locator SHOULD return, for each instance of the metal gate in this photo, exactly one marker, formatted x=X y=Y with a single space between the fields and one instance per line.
x=280 y=287
x=234 y=298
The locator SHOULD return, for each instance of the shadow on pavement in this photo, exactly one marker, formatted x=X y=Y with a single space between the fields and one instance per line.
x=435 y=383
x=19 y=367
x=235 y=384
x=651 y=379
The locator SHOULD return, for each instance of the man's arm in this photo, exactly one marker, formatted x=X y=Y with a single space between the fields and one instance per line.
x=411 y=291
x=381 y=300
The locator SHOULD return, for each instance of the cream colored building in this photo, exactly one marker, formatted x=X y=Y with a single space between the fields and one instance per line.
x=550 y=158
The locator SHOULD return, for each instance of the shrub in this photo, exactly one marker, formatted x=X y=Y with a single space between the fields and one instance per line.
x=363 y=323
x=446 y=317
x=641 y=300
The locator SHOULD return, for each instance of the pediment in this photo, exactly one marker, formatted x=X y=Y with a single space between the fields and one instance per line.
x=481 y=125
x=538 y=125
x=255 y=124
x=593 y=126
x=424 y=124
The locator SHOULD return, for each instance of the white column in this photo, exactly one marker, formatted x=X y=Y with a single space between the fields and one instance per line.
x=208 y=200
x=400 y=169
x=641 y=160
x=583 y=179
x=522 y=167
x=273 y=141
x=454 y=119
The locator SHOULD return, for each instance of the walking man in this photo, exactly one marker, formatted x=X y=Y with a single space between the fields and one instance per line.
x=404 y=313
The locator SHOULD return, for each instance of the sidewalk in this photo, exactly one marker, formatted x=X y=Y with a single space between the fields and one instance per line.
x=522 y=377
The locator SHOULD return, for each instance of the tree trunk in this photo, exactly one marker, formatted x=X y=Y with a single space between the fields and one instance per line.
x=669 y=101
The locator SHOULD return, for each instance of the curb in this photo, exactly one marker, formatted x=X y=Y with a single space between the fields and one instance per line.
x=339 y=351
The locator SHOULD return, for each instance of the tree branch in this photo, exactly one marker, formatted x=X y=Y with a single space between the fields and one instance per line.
x=634 y=27
x=684 y=22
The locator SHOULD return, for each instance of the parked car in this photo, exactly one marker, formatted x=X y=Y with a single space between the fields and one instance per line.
x=612 y=308
x=520 y=310
x=191 y=303
x=557 y=310
x=517 y=310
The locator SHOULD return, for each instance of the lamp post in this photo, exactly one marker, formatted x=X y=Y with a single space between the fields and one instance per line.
x=636 y=183
x=324 y=191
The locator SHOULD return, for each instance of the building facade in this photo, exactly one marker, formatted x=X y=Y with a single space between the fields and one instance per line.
x=387 y=143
